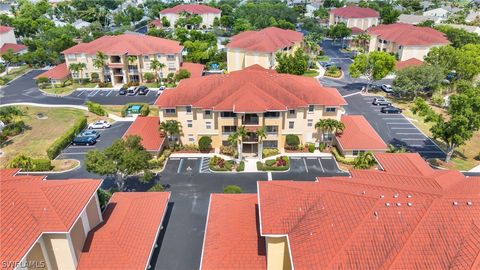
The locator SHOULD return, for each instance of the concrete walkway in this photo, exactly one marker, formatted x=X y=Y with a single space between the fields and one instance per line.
x=475 y=169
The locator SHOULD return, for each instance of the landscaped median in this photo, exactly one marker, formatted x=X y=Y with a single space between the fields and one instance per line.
x=281 y=163
x=218 y=164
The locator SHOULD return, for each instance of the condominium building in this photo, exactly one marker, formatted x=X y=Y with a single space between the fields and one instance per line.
x=403 y=215
x=255 y=97
x=354 y=17
x=405 y=41
x=207 y=13
x=261 y=47
x=8 y=41
x=58 y=224
x=128 y=57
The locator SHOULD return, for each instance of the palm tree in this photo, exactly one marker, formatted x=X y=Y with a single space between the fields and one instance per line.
x=81 y=68
x=237 y=138
x=99 y=62
x=156 y=65
x=171 y=128
x=261 y=134
x=74 y=67
x=330 y=126
x=364 y=161
x=131 y=60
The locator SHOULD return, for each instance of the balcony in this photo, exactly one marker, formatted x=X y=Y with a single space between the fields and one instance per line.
x=251 y=137
x=115 y=60
x=250 y=119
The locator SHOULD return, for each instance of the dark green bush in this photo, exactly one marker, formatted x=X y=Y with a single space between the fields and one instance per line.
x=104 y=84
x=96 y=108
x=321 y=147
x=273 y=164
x=241 y=166
x=41 y=164
x=205 y=144
x=156 y=188
x=268 y=152
x=340 y=158
x=104 y=196
x=145 y=110
x=292 y=141
x=14 y=129
x=270 y=162
x=60 y=143
x=232 y=189
x=3 y=138
x=311 y=148
x=29 y=164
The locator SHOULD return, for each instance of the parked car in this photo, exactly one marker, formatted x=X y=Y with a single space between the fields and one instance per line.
x=84 y=140
x=390 y=109
x=132 y=91
x=161 y=88
x=99 y=124
x=122 y=91
x=142 y=90
x=380 y=101
x=90 y=133
x=387 y=88
x=375 y=87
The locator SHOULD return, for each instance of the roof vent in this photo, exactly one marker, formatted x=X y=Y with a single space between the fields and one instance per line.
x=469 y=203
x=387 y=204
x=399 y=204
x=455 y=203
x=364 y=192
x=375 y=213
x=409 y=195
x=395 y=195
x=409 y=204
x=45 y=209
x=382 y=196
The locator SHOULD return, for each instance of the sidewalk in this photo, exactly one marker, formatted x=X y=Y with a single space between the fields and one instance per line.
x=475 y=169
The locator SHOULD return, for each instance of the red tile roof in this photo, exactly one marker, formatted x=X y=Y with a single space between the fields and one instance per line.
x=5 y=29
x=407 y=34
x=232 y=238
x=253 y=89
x=31 y=206
x=191 y=8
x=268 y=40
x=126 y=238
x=412 y=62
x=156 y=22
x=131 y=44
x=15 y=47
x=58 y=72
x=359 y=135
x=196 y=70
x=356 y=30
x=355 y=12
x=402 y=217
x=147 y=129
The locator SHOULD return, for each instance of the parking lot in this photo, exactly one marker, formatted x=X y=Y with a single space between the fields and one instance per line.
x=394 y=129
x=112 y=96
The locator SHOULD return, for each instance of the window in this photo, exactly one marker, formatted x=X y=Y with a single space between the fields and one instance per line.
x=399 y=47
x=311 y=108
x=208 y=112
x=271 y=114
x=270 y=144
x=171 y=66
x=191 y=138
x=170 y=111
x=71 y=56
x=310 y=123
x=330 y=109
x=327 y=136
x=146 y=58
x=228 y=114
x=356 y=152
x=189 y=109
x=86 y=74
x=380 y=40
x=171 y=57
x=229 y=129
x=208 y=125
x=291 y=125
x=271 y=129
x=291 y=112
x=189 y=123
x=226 y=143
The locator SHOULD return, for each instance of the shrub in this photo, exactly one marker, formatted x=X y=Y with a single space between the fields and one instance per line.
x=42 y=164
x=94 y=77
x=270 y=162
x=340 y=158
x=281 y=163
x=96 y=108
x=3 y=138
x=321 y=147
x=205 y=143
x=311 y=148
x=104 y=84
x=60 y=143
x=219 y=164
x=232 y=189
x=292 y=141
x=241 y=166
x=30 y=164
x=42 y=80
x=148 y=76
x=156 y=188
x=228 y=150
x=268 y=152
x=182 y=74
x=14 y=128
x=103 y=197
x=145 y=110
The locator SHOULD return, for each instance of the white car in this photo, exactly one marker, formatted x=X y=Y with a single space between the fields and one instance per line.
x=387 y=88
x=99 y=124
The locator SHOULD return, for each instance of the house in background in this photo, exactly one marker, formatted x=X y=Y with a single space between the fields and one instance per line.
x=8 y=41
x=354 y=16
x=405 y=41
x=441 y=12
x=468 y=28
x=472 y=16
x=147 y=128
x=208 y=14
x=57 y=224
x=128 y=57
x=255 y=97
x=157 y=23
x=260 y=47
x=403 y=215
x=56 y=75
x=416 y=19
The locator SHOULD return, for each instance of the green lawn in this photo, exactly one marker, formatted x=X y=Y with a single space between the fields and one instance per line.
x=41 y=133
x=14 y=73
x=67 y=89
x=334 y=74
x=323 y=58
x=310 y=73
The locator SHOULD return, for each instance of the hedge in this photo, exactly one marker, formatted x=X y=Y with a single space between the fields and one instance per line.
x=156 y=188
x=232 y=189
x=96 y=108
x=268 y=165
x=241 y=166
x=60 y=143
x=292 y=141
x=41 y=165
x=205 y=143
x=340 y=158
x=31 y=164
x=268 y=152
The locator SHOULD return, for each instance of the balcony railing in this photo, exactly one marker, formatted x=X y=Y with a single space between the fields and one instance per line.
x=252 y=137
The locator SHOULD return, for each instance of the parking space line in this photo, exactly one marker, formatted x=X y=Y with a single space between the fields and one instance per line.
x=402 y=128
x=409 y=134
x=429 y=151
x=175 y=158
x=321 y=166
x=93 y=93
x=109 y=92
x=294 y=158
x=305 y=163
x=192 y=158
x=180 y=166
x=394 y=118
x=269 y=176
x=75 y=153
x=412 y=139
x=398 y=123
x=81 y=92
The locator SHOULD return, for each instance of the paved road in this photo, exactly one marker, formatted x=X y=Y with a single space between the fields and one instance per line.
x=24 y=89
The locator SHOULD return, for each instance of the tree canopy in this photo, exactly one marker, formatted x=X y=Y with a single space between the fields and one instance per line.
x=458 y=37
x=374 y=66
x=465 y=61
x=295 y=63
x=412 y=81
